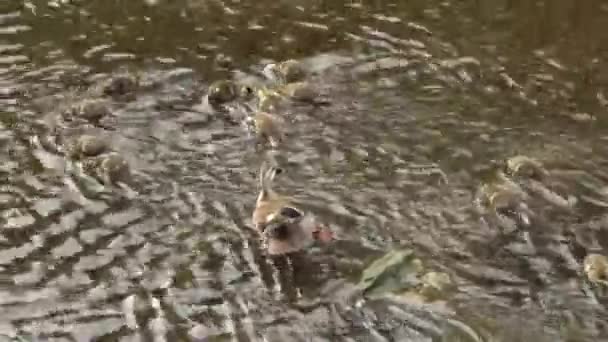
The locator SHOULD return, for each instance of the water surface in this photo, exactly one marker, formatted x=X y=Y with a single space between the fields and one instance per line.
x=426 y=97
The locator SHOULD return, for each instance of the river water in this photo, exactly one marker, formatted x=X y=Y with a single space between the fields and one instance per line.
x=426 y=97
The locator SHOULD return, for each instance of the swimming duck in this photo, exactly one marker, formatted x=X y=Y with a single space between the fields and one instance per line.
x=286 y=72
x=91 y=110
x=270 y=100
x=121 y=85
x=284 y=227
x=108 y=168
x=300 y=91
x=523 y=166
x=297 y=92
x=268 y=128
x=86 y=146
x=596 y=268
x=220 y=92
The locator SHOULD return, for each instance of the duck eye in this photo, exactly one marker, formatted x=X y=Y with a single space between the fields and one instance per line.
x=279 y=232
x=290 y=212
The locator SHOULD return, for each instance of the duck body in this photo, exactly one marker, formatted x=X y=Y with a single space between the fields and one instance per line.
x=87 y=146
x=284 y=227
x=596 y=268
x=268 y=128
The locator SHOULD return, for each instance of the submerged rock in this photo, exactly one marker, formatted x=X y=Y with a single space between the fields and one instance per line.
x=396 y=271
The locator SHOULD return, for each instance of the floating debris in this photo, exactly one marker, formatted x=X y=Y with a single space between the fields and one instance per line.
x=395 y=271
x=400 y=272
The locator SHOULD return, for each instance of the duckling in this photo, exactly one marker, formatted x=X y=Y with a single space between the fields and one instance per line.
x=121 y=85
x=86 y=146
x=268 y=128
x=504 y=198
x=221 y=92
x=501 y=194
x=92 y=110
x=300 y=91
x=109 y=168
x=285 y=228
x=435 y=284
x=246 y=92
x=596 y=268
x=286 y=72
x=114 y=168
x=304 y=92
x=270 y=100
x=527 y=167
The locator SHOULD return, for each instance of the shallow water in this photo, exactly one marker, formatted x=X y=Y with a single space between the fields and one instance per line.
x=426 y=97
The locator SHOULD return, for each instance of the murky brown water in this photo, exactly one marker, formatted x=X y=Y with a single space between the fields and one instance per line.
x=426 y=97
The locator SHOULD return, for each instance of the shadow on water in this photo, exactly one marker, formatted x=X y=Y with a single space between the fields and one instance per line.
x=427 y=97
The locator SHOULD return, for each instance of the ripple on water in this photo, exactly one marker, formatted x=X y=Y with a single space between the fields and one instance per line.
x=417 y=119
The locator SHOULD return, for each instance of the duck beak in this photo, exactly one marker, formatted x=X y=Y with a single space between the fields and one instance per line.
x=323 y=234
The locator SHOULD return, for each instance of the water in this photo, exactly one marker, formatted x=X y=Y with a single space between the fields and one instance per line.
x=426 y=97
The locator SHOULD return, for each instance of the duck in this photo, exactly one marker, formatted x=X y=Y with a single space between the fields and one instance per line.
x=270 y=100
x=284 y=228
x=121 y=85
x=108 y=168
x=222 y=91
x=92 y=110
x=268 y=128
x=287 y=71
x=526 y=167
x=86 y=146
x=301 y=92
x=268 y=202
x=596 y=268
